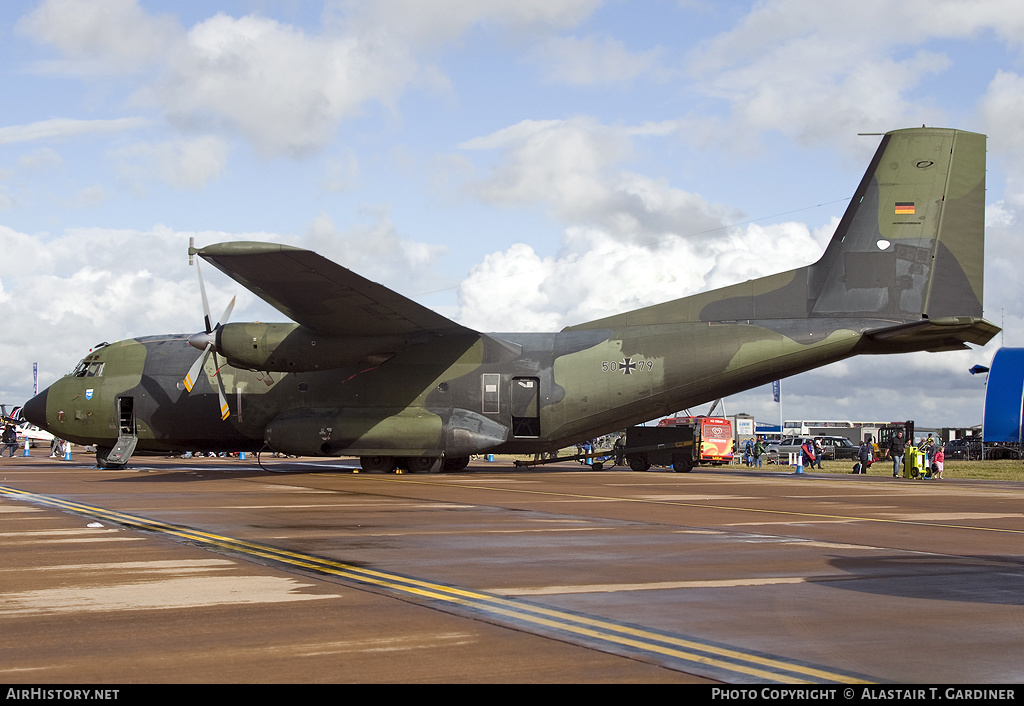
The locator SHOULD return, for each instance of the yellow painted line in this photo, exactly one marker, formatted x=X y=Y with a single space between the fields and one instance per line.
x=597 y=632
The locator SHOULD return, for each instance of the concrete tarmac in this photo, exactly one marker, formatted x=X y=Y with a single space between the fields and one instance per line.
x=214 y=571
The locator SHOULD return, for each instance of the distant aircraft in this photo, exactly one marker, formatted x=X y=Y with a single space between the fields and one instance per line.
x=366 y=372
x=33 y=433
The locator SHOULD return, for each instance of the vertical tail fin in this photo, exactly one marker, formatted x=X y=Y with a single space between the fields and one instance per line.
x=910 y=248
x=911 y=244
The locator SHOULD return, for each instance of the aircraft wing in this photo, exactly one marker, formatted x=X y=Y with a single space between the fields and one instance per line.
x=320 y=294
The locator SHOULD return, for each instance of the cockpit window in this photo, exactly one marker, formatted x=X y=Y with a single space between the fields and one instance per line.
x=89 y=368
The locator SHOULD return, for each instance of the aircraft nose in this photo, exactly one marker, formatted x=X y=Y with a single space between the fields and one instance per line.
x=35 y=409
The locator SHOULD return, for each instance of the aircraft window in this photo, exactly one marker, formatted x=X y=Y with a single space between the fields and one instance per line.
x=88 y=369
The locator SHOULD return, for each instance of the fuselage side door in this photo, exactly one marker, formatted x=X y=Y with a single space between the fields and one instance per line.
x=525 y=407
x=126 y=436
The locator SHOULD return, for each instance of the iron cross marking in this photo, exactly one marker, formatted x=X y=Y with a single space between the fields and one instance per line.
x=627 y=366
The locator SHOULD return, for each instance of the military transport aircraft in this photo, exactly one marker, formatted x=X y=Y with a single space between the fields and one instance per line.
x=366 y=372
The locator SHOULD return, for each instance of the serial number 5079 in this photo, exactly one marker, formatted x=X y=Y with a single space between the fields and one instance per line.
x=627 y=366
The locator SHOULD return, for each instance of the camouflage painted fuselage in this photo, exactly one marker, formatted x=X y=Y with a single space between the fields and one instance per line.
x=902 y=273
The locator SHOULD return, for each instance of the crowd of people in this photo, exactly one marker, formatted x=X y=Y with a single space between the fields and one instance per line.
x=812 y=452
x=934 y=458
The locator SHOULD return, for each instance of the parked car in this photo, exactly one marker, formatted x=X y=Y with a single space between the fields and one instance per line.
x=970 y=449
x=840 y=448
x=779 y=451
x=836 y=447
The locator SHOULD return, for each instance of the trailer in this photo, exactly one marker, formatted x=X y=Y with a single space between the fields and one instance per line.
x=674 y=446
x=705 y=440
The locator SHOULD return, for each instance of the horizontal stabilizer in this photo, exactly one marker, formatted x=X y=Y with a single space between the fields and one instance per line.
x=948 y=333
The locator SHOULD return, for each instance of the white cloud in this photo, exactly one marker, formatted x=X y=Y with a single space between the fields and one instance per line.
x=596 y=61
x=183 y=164
x=505 y=292
x=105 y=36
x=871 y=24
x=629 y=241
x=57 y=128
x=1000 y=109
x=825 y=71
x=598 y=274
x=284 y=89
x=566 y=164
x=442 y=21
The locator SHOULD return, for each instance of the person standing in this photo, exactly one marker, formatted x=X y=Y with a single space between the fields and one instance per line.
x=897 y=449
x=807 y=449
x=819 y=451
x=939 y=462
x=866 y=455
x=928 y=449
x=758 y=451
x=10 y=439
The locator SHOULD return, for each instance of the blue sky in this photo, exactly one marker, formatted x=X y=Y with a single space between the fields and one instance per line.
x=515 y=164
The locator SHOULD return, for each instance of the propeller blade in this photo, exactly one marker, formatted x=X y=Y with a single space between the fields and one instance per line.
x=224 y=411
x=227 y=312
x=193 y=372
x=207 y=341
x=206 y=304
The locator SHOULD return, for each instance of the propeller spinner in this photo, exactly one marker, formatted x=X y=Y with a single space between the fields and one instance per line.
x=206 y=342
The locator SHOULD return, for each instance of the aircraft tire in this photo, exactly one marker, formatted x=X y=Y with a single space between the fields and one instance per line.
x=455 y=464
x=639 y=462
x=101 y=459
x=423 y=464
x=378 y=464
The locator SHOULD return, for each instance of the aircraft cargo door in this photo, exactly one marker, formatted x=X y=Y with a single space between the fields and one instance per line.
x=525 y=400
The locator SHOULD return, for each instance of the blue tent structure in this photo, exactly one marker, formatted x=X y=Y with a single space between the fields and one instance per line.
x=1005 y=396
